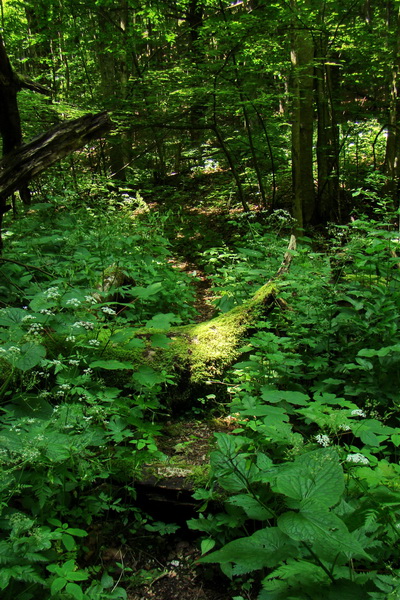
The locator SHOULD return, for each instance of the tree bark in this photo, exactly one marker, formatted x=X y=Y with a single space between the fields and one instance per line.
x=392 y=157
x=302 y=56
x=10 y=123
x=328 y=133
x=28 y=160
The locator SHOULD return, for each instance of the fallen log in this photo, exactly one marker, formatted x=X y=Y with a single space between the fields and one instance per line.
x=197 y=354
x=31 y=159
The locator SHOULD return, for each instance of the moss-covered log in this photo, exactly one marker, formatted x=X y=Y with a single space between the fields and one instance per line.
x=197 y=353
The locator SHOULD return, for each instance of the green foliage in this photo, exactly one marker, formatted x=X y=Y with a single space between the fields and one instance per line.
x=308 y=478
x=65 y=429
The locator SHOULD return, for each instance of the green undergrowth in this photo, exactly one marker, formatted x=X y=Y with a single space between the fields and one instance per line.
x=305 y=370
x=311 y=470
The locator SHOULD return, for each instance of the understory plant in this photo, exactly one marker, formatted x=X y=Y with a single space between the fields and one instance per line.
x=308 y=478
x=76 y=425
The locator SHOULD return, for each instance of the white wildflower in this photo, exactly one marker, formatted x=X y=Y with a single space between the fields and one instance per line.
x=90 y=299
x=94 y=342
x=74 y=362
x=52 y=293
x=89 y=371
x=358 y=413
x=28 y=318
x=108 y=311
x=14 y=350
x=70 y=338
x=45 y=311
x=85 y=324
x=73 y=302
x=357 y=458
x=65 y=386
x=35 y=329
x=322 y=440
x=344 y=427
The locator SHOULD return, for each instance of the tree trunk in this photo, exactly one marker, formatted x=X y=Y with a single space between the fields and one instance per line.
x=114 y=75
x=10 y=123
x=392 y=157
x=28 y=160
x=302 y=56
x=328 y=134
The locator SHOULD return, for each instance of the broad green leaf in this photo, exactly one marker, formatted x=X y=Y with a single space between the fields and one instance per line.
x=30 y=356
x=315 y=523
x=295 y=571
x=77 y=532
x=57 y=585
x=265 y=548
x=12 y=316
x=316 y=475
x=122 y=335
x=253 y=509
x=207 y=545
x=68 y=541
x=160 y=340
x=160 y=321
x=277 y=395
x=372 y=432
x=146 y=292
x=106 y=581
x=147 y=377
x=395 y=439
x=75 y=590
x=110 y=365
x=77 y=576
x=272 y=412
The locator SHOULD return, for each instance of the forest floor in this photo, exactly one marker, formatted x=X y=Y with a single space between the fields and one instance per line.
x=165 y=568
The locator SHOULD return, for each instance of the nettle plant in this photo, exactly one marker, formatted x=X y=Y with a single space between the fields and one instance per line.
x=309 y=477
x=311 y=497
x=63 y=431
x=94 y=249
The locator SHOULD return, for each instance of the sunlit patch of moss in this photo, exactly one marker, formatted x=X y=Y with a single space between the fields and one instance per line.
x=203 y=350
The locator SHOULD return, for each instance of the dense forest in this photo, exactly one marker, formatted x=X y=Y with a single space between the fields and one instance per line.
x=199 y=299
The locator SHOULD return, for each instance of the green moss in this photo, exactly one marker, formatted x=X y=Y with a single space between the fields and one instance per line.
x=196 y=353
x=202 y=350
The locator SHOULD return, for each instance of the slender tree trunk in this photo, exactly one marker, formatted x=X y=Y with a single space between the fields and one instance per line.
x=114 y=74
x=302 y=56
x=194 y=19
x=328 y=134
x=10 y=122
x=392 y=157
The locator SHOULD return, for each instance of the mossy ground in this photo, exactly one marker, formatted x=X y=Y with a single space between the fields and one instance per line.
x=199 y=352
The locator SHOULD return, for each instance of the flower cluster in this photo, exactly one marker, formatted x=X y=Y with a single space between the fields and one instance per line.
x=108 y=311
x=357 y=458
x=88 y=325
x=322 y=440
x=357 y=412
x=45 y=311
x=52 y=293
x=344 y=427
x=12 y=352
x=35 y=329
x=28 y=318
x=73 y=302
